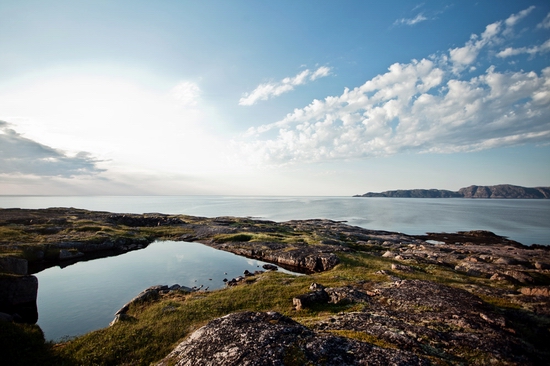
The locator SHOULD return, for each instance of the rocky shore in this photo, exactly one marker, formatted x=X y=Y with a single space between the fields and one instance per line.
x=369 y=297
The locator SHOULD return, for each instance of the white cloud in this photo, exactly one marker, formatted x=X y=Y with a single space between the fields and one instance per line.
x=545 y=24
x=515 y=18
x=320 y=73
x=466 y=55
x=187 y=93
x=423 y=106
x=274 y=89
x=411 y=21
x=510 y=51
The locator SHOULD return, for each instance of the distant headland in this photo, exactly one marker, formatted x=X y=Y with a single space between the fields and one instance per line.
x=503 y=191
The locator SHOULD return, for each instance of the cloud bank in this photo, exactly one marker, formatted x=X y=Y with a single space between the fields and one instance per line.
x=274 y=89
x=24 y=156
x=431 y=105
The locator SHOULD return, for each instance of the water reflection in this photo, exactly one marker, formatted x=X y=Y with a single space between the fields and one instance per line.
x=84 y=296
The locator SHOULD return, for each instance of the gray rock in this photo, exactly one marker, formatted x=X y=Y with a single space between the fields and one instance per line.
x=311 y=298
x=145 y=295
x=402 y=268
x=520 y=276
x=121 y=318
x=18 y=295
x=346 y=295
x=269 y=339
x=18 y=266
x=65 y=254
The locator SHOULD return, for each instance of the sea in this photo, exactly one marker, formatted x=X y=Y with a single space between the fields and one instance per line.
x=78 y=298
x=525 y=221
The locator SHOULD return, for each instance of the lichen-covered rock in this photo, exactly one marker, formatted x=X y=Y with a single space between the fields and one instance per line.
x=438 y=321
x=346 y=295
x=264 y=339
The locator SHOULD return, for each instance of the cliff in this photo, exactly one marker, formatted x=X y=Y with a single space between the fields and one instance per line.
x=499 y=191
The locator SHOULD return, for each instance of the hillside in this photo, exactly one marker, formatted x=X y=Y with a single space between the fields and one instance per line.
x=507 y=191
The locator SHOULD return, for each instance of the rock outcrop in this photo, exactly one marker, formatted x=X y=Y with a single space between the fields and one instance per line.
x=497 y=191
x=263 y=339
x=433 y=320
x=18 y=297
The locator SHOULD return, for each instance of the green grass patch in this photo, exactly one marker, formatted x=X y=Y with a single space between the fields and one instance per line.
x=14 y=234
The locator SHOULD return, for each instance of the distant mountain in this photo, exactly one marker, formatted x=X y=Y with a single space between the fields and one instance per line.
x=498 y=191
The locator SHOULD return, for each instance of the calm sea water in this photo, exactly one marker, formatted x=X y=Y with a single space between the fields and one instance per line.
x=526 y=221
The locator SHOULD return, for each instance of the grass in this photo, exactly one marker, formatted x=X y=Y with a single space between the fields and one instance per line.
x=171 y=318
x=277 y=237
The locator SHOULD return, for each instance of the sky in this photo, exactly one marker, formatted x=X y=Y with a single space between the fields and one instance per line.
x=321 y=98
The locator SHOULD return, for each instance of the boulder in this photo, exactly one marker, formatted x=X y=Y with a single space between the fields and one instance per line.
x=145 y=295
x=269 y=339
x=311 y=298
x=121 y=318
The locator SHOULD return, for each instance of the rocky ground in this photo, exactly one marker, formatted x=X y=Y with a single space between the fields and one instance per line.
x=443 y=298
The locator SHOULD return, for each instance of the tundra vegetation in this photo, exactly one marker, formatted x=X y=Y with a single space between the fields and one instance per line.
x=463 y=298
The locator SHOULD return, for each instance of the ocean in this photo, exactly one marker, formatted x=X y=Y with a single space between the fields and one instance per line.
x=526 y=221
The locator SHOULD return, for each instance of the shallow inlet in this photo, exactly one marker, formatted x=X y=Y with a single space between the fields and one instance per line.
x=84 y=296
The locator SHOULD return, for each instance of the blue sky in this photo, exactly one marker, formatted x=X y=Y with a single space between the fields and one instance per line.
x=272 y=97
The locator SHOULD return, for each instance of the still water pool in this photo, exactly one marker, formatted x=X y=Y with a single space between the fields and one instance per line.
x=84 y=296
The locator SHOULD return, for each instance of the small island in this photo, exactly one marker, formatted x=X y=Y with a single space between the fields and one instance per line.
x=368 y=297
x=501 y=191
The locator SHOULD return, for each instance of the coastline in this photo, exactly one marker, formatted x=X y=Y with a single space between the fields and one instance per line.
x=490 y=279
